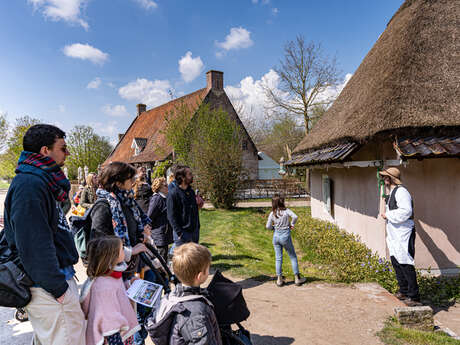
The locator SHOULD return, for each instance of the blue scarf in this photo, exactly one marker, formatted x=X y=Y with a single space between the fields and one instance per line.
x=120 y=226
x=46 y=168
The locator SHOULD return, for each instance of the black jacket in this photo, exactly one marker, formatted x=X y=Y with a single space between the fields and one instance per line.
x=32 y=228
x=183 y=214
x=101 y=222
x=161 y=230
x=144 y=192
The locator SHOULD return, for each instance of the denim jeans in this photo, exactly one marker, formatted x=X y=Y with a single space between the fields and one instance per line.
x=282 y=239
x=143 y=312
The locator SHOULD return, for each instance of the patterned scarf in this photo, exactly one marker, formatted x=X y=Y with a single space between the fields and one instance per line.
x=120 y=225
x=48 y=170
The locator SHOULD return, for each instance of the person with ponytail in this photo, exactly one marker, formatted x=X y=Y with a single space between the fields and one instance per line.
x=282 y=221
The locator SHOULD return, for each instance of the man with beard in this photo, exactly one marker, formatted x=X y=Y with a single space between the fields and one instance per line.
x=399 y=214
x=38 y=233
x=182 y=208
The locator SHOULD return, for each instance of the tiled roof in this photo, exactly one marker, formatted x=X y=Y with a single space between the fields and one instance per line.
x=150 y=125
x=431 y=146
x=330 y=154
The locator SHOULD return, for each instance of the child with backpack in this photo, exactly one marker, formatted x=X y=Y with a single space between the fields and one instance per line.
x=111 y=317
x=282 y=221
x=186 y=316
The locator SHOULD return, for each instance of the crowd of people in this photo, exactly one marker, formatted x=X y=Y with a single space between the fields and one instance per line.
x=127 y=211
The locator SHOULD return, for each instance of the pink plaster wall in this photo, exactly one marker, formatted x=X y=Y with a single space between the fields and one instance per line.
x=435 y=187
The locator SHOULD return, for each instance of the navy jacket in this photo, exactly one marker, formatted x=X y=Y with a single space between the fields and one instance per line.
x=183 y=214
x=157 y=212
x=33 y=230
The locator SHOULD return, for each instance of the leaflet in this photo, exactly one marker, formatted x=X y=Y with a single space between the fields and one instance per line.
x=145 y=292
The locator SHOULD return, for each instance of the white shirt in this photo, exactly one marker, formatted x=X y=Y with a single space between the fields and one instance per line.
x=282 y=222
x=399 y=226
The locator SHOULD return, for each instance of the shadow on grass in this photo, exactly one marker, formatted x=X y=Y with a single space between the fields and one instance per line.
x=270 y=340
x=207 y=245
x=223 y=267
x=232 y=257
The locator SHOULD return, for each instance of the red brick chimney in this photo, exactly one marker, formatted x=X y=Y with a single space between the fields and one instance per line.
x=215 y=80
x=141 y=108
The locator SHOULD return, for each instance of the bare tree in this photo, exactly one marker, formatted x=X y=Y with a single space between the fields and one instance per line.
x=305 y=73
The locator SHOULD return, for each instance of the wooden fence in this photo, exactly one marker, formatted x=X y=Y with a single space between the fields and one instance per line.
x=259 y=189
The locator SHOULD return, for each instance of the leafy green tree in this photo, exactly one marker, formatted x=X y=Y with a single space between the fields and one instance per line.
x=86 y=149
x=210 y=143
x=9 y=159
x=282 y=137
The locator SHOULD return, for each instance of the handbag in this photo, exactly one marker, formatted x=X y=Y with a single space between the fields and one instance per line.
x=14 y=283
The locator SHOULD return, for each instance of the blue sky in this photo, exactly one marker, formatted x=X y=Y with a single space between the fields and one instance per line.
x=73 y=62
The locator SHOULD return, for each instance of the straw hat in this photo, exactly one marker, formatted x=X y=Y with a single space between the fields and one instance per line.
x=393 y=173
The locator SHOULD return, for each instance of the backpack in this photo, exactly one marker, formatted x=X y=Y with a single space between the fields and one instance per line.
x=81 y=230
x=160 y=321
x=14 y=282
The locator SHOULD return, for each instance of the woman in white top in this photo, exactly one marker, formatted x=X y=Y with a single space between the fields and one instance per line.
x=282 y=221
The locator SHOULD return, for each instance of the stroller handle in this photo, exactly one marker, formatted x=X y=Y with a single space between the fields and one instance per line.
x=172 y=278
x=148 y=262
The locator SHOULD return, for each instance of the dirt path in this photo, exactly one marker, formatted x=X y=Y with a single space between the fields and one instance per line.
x=317 y=313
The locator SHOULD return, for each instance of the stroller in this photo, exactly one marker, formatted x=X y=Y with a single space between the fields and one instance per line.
x=226 y=296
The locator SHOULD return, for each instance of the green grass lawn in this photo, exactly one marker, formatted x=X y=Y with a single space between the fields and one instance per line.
x=4 y=185
x=394 y=334
x=241 y=245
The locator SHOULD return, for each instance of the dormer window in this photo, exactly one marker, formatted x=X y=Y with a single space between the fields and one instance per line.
x=138 y=145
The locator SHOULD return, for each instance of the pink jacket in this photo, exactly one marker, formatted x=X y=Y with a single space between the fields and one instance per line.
x=107 y=309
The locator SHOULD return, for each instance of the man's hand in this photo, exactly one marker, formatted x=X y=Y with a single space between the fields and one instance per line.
x=384 y=216
x=61 y=298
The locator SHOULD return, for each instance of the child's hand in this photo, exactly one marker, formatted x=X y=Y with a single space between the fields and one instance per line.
x=133 y=279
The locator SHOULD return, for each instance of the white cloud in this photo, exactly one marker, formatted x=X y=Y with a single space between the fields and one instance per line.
x=107 y=129
x=238 y=38
x=66 y=10
x=152 y=93
x=110 y=84
x=147 y=4
x=85 y=52
x=94 y=84
x=275 y=11
x=62 y=108
x=115 y=110
x=189 y=67
x=251 y=95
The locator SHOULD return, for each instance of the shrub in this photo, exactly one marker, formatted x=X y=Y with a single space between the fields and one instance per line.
x=349 y=260
x=346 y=258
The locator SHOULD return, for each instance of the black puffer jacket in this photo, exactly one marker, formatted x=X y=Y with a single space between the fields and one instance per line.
x=158 y=213
x=189 y=322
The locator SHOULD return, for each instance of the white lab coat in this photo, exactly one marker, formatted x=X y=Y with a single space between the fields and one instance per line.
x=399 y=226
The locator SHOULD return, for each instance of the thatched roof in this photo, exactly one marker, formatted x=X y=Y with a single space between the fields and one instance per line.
x=409 y=79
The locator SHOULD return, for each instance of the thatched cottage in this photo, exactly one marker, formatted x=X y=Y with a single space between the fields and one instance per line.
x=401 y=108
x=144 y=142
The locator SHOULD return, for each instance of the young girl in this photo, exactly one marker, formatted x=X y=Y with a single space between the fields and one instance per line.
x=278 y=220
x=111 y=317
